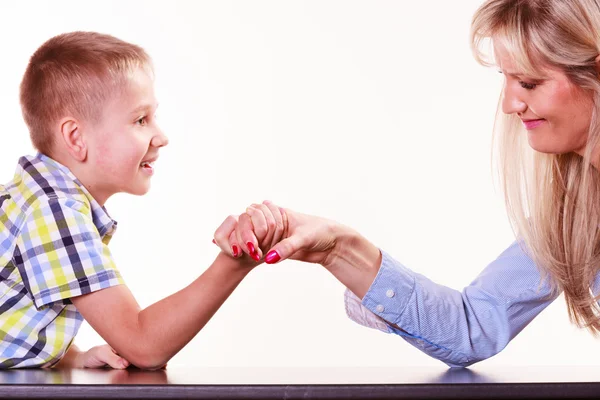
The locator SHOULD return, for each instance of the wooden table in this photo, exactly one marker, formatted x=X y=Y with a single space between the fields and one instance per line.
x=304 y=383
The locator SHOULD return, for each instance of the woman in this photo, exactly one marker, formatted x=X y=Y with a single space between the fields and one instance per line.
x=547 y=148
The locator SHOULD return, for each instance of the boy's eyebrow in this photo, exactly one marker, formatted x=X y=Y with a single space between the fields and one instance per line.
x=144 y=107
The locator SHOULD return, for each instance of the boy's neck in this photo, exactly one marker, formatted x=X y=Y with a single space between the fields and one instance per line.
x=83 y=173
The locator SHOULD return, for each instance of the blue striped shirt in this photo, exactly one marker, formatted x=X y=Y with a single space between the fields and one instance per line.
x=458 y=328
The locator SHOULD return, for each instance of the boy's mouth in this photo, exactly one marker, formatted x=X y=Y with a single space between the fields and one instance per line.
x=147 y=166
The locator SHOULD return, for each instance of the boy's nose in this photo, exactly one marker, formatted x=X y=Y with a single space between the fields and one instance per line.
x=160 y=140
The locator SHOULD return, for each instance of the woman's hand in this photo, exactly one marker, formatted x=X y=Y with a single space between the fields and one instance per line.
x=287 y=234
x=238 y=235
x=306 y=238
x=351 y=258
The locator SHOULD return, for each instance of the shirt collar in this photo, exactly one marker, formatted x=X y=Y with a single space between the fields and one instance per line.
x=102 y=220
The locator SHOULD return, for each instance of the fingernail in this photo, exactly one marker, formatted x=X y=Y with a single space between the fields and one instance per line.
x=235 y=251
x=214 y=241
x=253 y=252
x=124 y=364
x=272 y=257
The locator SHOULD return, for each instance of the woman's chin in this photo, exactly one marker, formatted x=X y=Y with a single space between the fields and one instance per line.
x=545 y=147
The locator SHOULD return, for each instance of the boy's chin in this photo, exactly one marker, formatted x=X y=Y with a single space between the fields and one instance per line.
x=140 y=190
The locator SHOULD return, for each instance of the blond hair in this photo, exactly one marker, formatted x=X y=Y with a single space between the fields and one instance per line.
x=553 y=200
x=74 y=73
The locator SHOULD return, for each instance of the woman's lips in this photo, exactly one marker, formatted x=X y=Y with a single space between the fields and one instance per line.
x=533 y=123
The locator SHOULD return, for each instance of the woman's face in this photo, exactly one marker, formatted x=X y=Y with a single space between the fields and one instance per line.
x=555 y=112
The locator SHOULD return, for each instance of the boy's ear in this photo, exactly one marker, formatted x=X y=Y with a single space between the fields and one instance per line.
x=72 y=137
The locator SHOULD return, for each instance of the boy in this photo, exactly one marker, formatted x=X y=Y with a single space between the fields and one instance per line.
x=88 y=100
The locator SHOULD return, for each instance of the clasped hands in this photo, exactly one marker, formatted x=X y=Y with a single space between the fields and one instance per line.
x=269 y=233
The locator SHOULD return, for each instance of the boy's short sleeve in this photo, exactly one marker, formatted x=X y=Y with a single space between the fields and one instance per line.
x=60 y=253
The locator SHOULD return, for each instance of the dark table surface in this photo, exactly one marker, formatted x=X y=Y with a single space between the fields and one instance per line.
x=305 y=383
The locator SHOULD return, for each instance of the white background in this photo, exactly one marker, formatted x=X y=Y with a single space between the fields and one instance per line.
x=373 y=113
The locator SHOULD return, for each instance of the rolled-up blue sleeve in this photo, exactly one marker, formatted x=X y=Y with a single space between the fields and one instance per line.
x=458 y=328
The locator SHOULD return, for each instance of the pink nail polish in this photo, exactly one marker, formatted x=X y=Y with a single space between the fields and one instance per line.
x=235 y=251
x=253 y=252
x=272 y=257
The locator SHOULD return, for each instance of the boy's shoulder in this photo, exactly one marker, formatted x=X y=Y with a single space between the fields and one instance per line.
x=40 y=180
x=42 y=190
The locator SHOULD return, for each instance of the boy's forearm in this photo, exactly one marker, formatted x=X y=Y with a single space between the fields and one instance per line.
x=169 y=324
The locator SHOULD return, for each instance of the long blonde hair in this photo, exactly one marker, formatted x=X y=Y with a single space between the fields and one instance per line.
x=553 y=200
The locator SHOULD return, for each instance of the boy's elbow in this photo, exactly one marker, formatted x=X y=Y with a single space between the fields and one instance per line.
x=148 y=361
x=146 y=356
x=150 y=366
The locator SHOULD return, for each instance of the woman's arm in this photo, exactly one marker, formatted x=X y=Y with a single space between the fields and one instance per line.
x=456 y=327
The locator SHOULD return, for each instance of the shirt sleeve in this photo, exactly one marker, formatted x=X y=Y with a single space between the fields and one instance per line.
x=60 y=253
x=458 y=328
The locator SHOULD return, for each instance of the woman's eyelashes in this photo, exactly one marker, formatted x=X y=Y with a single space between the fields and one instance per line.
x=527 y=85
x=524 y=84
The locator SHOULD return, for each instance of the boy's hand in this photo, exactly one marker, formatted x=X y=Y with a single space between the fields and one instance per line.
x=100 y=357
x=238 y=235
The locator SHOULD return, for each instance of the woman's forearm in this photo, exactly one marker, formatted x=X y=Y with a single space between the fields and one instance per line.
x=354 y=261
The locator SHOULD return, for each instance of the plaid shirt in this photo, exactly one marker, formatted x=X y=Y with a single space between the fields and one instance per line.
x=53 y=246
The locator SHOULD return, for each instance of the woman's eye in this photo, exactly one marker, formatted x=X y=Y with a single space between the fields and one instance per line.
x=527 y=85
x=141 y=121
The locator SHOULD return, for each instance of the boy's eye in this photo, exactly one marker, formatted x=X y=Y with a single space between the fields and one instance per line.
x=141 y=121
x=527 y=85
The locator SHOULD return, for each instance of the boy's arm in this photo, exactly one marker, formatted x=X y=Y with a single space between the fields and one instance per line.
x=148 y=338
x=70 y=359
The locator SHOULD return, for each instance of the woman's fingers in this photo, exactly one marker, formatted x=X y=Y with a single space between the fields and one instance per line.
x=285 y=249
x=263 y=216
x=307 y=238
x=223 y=234
x=285 y=233
x=236 y=249
x=279 y=228
x=246 y=237
x=260 y=222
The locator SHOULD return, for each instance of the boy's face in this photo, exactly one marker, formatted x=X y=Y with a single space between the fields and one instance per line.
x=125 y=143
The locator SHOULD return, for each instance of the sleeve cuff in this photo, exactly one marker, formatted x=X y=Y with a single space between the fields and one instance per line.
x=386 y=299
x=361 y=315
x=391 y=290
x=63 y=293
